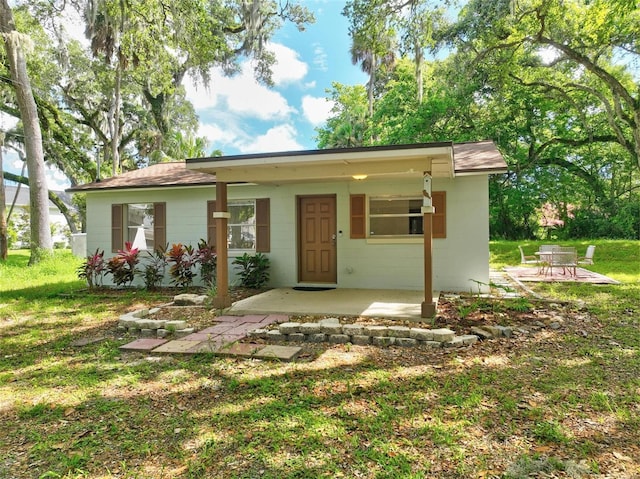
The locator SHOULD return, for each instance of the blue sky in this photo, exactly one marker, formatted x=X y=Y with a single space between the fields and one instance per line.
x=237 y=115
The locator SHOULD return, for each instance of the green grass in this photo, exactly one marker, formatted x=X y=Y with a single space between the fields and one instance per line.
x=563 y=402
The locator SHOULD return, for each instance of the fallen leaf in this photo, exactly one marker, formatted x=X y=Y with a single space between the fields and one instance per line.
x=620 y=456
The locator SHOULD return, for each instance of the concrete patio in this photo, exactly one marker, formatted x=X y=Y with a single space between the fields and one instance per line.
x=399 y=304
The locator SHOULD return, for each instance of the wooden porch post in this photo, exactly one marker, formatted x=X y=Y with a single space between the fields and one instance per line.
x=428 y=309
x=221 y=216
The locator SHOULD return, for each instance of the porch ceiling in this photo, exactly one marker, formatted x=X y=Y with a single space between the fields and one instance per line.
x=317 y=165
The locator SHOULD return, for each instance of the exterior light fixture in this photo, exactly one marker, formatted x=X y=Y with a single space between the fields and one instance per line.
x=359 y=177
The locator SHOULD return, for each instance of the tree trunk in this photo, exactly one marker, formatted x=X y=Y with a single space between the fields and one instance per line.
x=4 y=233
x=41 y=243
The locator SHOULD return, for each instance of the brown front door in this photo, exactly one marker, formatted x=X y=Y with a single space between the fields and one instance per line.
x=317 y=239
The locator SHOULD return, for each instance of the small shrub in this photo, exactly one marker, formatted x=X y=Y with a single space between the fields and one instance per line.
x=183 y=259
x=93 y=269
x=154 y=267
x=123 y=265
x=254 y=270
x=208 y=260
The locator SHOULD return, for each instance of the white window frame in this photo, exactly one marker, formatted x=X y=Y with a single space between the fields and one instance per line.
x=148 y=230
x=230 y=203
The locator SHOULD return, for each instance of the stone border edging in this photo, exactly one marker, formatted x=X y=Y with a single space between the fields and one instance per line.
x=332 y=331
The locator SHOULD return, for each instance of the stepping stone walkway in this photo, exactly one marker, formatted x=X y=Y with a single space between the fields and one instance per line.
x=221 y=340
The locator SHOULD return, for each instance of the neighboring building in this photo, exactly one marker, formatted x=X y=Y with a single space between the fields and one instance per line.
x=22 y=209
x=349 y=218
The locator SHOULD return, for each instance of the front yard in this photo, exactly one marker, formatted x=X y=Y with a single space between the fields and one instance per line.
x=552 y=402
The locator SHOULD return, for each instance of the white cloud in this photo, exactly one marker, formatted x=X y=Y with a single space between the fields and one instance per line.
x=316 y=109
x=288 y=67
x=320 y=58
x=216 y=135
x=278 y=138
x=202 y=97
x=7 y=122
x=240 y=94
x=56 y=180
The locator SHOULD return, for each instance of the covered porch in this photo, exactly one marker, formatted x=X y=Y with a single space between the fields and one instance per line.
x=420 y=162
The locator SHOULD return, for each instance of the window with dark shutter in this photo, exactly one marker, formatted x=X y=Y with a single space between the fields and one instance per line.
x=211 y=224
x=160 y=225
x=358 y=221
x=117 y=220
x=263 y=234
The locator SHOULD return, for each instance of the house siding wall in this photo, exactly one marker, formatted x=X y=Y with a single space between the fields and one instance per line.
x=459 y=258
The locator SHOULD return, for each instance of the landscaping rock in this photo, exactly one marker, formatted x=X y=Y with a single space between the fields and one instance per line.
x=329 y=321
x=469 y=338
x=361 y=339
x=148 y=333
x=406 y=342
x=494 y=330
x=338 y=338
x=289 y=328
x=483 y=333
x=376 y=331
x=456 y=342
x=331 y=328
x=176 y=325
x=506 y=331
x=258 y=333
x=310 y=328
x=316 y=338
x=382 y=340
x=188 y=299
x=431 y=344
x=443 y=335
x=295 y=337
x=353 y=329
x=162 y=333
x=181 y=333
x=421 y=334
x=399 y=331
x=275 y=335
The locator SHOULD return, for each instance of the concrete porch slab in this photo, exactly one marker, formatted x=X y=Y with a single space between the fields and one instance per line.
x=387 y=303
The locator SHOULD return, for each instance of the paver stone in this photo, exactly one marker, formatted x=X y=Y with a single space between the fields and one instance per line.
x=144 y=344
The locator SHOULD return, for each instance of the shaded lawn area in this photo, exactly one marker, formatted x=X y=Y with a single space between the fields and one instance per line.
x=565 y=403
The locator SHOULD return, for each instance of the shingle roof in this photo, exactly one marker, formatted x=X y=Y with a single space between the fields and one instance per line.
x=161 y=174
x=472 y=157
x=478 y=156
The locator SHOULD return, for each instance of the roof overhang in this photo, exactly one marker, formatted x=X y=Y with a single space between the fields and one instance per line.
x=332 y=165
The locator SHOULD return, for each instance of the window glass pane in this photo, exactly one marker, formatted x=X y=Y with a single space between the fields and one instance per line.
x=395 y=226
x=395 y=216
x=140 y=221
x=242 y=237
x=394 y=206
x=242 y=225
x=242 y=213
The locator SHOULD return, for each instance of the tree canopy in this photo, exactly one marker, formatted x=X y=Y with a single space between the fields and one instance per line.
x=555 y=83
x=116 y=102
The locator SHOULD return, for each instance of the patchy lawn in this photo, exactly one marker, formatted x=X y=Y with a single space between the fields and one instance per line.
x=547 y=402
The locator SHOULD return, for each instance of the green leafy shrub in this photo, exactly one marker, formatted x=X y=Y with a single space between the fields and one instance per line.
x=154 y=267
x=254 y=270
x=183 y=259
x=123 y=266
x=93 y=269
x=208 y=260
